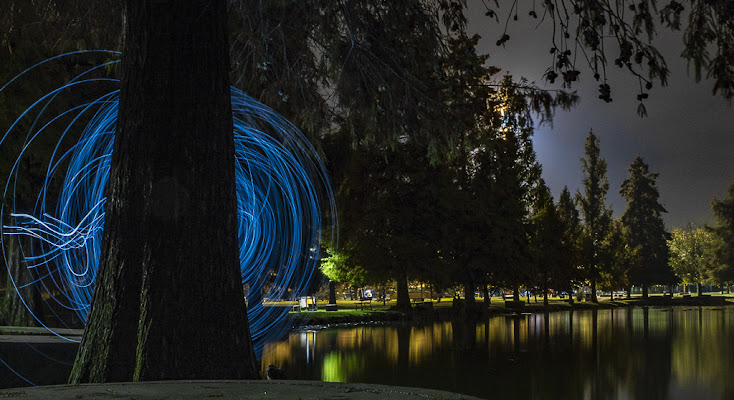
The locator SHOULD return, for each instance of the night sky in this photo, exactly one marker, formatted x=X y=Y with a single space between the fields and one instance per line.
x=687 y=137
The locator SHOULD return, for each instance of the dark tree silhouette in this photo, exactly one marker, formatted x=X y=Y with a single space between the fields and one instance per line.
x=724 y=232
x=168 y=303
x=594 y=34
x=645 y=229
x=568 y=215
x=547 y=243
x=596 y=215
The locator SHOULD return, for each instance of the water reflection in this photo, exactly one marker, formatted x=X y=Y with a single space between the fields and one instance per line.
x=606 y=354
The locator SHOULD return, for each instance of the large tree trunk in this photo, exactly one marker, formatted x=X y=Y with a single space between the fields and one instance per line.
x=469 y=294
x=570 y=294
x=168 y=301
x=593 y=291
x=403 y=301
x=332 y=292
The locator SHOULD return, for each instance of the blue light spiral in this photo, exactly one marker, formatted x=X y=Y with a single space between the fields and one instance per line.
x=282 y=192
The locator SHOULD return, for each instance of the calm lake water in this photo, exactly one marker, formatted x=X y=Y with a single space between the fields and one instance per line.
x=655 y=353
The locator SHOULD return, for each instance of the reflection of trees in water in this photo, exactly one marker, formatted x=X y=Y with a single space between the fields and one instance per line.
x=703 y=352
x=605 y=354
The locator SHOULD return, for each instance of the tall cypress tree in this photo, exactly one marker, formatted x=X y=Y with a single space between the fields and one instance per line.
x=645 y=229
x=547 y=242
x=466 y=99
x=570 y=221
x=596 y=215
x=516 y=176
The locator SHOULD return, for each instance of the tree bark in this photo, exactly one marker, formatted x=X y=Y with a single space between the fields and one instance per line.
x=593 y=292
x=469 y=294
x=403 y=301
x=570 y=294
x=332 y=292
x=22 y=298
x=168 y=301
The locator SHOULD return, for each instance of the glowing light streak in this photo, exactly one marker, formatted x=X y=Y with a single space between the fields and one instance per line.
x=282 y=193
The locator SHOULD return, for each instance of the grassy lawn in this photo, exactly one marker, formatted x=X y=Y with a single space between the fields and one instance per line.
x=352 y=308
x=342 y=313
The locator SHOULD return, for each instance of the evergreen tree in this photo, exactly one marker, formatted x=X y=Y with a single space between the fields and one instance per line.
x=724 y=236
x=613 y=258
x=515 y=173
x=547 y=243
x=571 y=235
x=596 y=215
x=388 y=216
x=466 y=98
x=645 y=229
x=388 y=92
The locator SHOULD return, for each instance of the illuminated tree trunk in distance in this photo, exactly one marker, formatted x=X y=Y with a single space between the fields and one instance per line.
x=332 y=292
x=403 y=301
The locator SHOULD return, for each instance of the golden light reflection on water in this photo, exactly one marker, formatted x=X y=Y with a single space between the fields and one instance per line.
x=424 y=341
x=699 y=354
x=605 y=354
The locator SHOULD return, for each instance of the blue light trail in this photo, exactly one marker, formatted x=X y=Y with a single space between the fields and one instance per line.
x=282 y=192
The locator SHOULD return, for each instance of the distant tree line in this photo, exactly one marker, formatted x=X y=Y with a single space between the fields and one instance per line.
x=705 y=254
x=499 y=228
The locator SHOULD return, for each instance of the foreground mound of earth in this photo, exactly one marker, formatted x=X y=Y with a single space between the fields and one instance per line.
x=282 y=389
